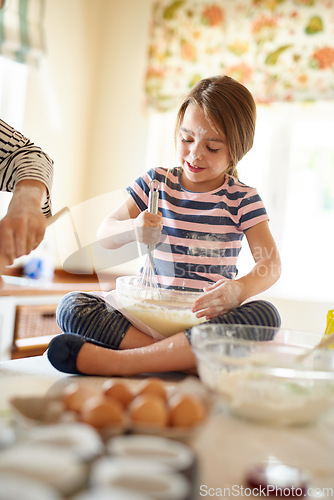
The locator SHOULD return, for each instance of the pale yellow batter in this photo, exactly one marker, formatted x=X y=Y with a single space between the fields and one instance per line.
x=165 y=319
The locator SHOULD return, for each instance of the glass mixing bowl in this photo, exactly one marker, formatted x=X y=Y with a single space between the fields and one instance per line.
x=258 y=374
x=167 y=311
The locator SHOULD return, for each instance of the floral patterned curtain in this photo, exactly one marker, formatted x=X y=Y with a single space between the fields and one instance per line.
x=281 y=50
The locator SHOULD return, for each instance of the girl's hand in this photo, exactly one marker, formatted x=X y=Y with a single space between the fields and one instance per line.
x=218 y=299
x=148 y=227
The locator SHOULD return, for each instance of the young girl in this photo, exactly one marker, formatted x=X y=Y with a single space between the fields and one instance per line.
x=204 y=212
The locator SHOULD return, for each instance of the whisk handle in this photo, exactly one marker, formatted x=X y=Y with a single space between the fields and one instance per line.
x=153 y=199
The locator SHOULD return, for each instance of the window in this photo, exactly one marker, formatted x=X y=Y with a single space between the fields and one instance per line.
x=13 y=79
x=292 y=165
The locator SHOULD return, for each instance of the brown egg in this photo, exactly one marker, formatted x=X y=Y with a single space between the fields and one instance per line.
x=118 y=390
x=76 y=395
x=153 y=386
x=185 y=411
x=101 y=412
x=149 y=410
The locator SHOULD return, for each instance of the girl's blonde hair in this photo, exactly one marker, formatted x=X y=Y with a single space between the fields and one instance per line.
x=230 y=108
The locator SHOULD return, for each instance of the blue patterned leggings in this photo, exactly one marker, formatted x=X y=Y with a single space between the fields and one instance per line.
x=92 y=317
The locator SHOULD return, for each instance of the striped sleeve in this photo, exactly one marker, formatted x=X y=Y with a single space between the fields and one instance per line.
x=251 y=211
x=20 y=160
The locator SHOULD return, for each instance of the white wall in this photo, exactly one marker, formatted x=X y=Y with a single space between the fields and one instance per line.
x=120 y=123
x=85 y=102
x=59 y=95
x=303 y=315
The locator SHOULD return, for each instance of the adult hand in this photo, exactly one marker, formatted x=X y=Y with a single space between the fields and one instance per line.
x=21 y=231
x=23 y=227
x=218 y=299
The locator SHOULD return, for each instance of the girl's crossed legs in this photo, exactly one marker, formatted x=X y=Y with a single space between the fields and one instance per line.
x=101 y=341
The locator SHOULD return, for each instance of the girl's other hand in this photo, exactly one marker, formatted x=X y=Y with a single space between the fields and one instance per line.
x=148 y=227
x=218 y=299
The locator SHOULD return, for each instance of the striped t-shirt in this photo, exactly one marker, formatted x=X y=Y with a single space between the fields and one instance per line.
x=202 y=232
x=20 y=160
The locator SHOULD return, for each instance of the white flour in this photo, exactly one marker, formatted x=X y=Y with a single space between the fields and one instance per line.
x=257 y=396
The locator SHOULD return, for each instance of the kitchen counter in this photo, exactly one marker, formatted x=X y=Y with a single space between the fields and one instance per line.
x=36 y=299
x=15 y=284
x=225 y=446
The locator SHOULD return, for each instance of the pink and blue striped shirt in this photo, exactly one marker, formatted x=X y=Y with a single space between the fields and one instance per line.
x=202 y=232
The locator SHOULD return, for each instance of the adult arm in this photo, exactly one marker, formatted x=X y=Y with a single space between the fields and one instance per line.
x=23 y=227
x=26 y=171
x=20 y=159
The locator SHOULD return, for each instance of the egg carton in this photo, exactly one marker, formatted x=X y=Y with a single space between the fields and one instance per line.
x=31 y=411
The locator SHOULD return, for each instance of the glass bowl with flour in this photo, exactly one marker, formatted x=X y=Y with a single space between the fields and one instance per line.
x=259 y=373
x=160 y=312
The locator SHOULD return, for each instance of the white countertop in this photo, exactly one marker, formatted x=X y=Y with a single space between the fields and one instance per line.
x=226 y=446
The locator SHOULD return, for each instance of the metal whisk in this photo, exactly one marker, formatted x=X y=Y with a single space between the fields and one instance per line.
x=148 y=277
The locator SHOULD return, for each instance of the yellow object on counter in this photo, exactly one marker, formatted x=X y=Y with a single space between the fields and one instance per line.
x=330 y=325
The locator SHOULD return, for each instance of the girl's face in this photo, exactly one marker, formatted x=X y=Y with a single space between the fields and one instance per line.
x=202 y=152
